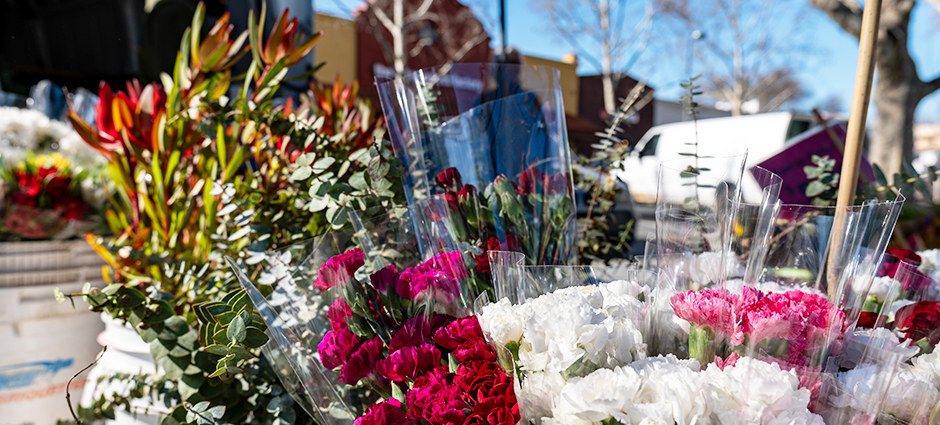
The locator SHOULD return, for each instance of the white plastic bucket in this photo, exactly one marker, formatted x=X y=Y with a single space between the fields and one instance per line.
x=127 y=353
x=40 y=349
x=44 y=343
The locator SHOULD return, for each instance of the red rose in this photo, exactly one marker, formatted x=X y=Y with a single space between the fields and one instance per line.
x=868 y=319
x=529 y=181
x=558 y=183
x=493 y=411
x=905 y=254
x=483 y=263
x=337 y=313
x=28 y=184
x=452 y=203
x=383 y=413
x=458 y=332
x=920 y=320
x=449 y=179
x=467 y=193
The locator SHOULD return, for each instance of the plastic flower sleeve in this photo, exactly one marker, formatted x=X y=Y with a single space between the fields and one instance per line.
x=295 y=329
x=495 y=133
x=752 y=226
x=856 y=395
x=692 y=218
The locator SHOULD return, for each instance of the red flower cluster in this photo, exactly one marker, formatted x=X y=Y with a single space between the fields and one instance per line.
x=920 y=320
x=894 y=258
x=37 y=192
x=477 y=392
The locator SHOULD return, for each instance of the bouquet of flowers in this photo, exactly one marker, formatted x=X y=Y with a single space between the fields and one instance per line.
x=491 y=138
x=371 y=331
x=44 y=200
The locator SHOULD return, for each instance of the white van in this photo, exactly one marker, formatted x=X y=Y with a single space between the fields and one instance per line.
x=761 y=135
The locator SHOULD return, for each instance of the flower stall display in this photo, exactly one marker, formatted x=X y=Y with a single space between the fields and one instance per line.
x=44 y=200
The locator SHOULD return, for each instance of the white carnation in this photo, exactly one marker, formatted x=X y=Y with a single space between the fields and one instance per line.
x=604 y=394
x=501 y=322
x=760 y=392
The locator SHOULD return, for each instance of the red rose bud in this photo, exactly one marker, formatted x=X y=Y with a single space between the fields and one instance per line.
x=449 y=179
x=467 y=193
x=452 y=203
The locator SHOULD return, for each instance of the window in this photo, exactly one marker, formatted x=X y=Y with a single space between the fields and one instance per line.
x=649 y=149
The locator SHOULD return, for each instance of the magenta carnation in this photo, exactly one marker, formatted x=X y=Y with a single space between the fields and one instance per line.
x=457 y=332
x=339 y=269
x=474 y=349
x=337 y=313
x=408 y=363
x=383 y=413
x=416 y=331
x=336 y=346
x=361 y=363
x=383 y=278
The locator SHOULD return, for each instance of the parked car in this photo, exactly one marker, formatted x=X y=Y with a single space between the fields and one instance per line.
x=761 y=135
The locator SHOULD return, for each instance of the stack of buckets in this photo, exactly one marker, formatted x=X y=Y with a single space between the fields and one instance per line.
x=44 y=343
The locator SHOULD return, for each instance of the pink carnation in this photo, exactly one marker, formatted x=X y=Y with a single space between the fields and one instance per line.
x=339 y=269
x=336 y=346
x=708 y=307
x=337 y=313
x=362 y=363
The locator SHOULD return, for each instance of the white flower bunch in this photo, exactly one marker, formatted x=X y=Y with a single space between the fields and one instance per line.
x=24 y=130
x=582 y=328
x=665 y=390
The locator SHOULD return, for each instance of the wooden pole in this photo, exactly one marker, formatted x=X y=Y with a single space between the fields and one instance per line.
x=855 y=134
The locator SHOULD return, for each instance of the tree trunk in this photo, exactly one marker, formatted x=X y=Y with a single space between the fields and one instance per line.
x=898 y=88
x=893 y=135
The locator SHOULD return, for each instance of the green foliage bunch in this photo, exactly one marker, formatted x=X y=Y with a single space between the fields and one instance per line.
x=200 y=176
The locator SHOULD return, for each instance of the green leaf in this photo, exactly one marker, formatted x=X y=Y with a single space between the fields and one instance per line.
x=236 y=330
x=148 y=335
x=216 y=412
x=241 y=353
x=302 y=173
x=254 y=337
x=171 y=367
x=815 y=188
x=322 y=164
x=306 y=159
x=175 y=327
x=217 y=349
x=158 y=350
x=358 y=181
x=274 y=406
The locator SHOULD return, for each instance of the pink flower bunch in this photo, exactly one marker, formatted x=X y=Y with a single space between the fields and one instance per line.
x=339 y=269
x=438 y=277
x=799 y=317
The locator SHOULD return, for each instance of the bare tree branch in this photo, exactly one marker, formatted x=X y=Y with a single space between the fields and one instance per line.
x=850 y=19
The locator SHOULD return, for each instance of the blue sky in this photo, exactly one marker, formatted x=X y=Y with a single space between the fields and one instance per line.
x=830 y=73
